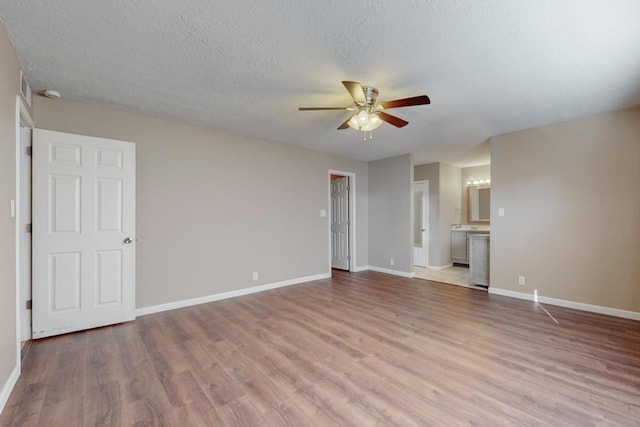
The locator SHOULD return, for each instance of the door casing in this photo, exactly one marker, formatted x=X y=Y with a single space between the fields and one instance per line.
x=352 y=218
x=23 y=119
x=339 y=217
x=424 y=250
x=25 y=236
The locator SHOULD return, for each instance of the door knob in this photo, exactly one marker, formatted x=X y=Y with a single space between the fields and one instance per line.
x=128 y=240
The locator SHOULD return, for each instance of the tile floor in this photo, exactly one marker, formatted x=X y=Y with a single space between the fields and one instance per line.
x=456 y=275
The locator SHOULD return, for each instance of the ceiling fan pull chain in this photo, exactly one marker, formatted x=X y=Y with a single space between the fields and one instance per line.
x=371 y=135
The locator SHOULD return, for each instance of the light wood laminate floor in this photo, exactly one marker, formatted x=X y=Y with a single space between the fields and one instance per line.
x=454 y=275
x=358 y=349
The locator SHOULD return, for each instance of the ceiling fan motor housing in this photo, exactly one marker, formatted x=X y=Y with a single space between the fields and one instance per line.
x=370 y=94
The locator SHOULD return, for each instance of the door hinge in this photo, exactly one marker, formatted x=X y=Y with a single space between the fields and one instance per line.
x=28 y=228
x=27 y=150
x=29 y=305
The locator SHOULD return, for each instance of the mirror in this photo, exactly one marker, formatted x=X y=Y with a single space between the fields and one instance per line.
x=479 y=205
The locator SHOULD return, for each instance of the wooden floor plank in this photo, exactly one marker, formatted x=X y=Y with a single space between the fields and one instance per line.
x=357 y=349
x=103 y=405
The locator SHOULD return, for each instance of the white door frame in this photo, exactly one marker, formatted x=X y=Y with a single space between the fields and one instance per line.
x=23 y=119
x=340 y=223
x=425 y=215
x=352 y=218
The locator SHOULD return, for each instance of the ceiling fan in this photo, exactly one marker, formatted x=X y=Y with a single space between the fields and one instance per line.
x=367 y=113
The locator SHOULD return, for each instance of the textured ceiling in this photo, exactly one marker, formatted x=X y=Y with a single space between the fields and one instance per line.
x=244 y=66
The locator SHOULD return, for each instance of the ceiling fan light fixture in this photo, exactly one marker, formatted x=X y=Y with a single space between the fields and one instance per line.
x=374 y=122
x=365 y=121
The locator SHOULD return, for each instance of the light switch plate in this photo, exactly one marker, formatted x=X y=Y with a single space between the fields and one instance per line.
x=323 y=213
x=500 y=211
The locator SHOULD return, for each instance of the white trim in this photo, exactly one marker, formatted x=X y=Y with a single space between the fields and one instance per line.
x=425 y=215
x=22 y=113
x=510 y=294
x=362 y=268
x=225 y=295
x=352 y=216
x=616 y=312
x=438 y=268
x=8 y=386
x=393 y=272
x=17 y=233
x=23 y=119
x=633 y=315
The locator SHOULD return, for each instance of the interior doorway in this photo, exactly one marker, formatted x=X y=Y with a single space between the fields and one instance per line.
x=24 y=128
x=421 y=223
x=341 y=220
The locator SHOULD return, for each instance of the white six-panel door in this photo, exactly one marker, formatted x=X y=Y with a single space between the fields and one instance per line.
x=83 y=232
x=340 y=223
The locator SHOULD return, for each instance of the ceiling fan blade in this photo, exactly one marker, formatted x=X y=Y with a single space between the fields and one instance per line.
x=345 y=125
x=407 y=102
x=393 y=120
x=321 y=108
x=355 y=89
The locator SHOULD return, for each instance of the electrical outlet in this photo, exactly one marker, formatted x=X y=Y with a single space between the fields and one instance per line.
x=521 y=280
x=392 y=261
x=254 y=276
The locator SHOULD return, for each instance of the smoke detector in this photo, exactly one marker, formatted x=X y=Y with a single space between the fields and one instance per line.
x=53 y=94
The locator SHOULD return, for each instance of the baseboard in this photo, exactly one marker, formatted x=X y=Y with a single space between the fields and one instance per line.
x=393 y=272
x=433 y=267
x=510 y=294
x=362 y=268
x=616 y=312
x=8 y=386
x=225 y=295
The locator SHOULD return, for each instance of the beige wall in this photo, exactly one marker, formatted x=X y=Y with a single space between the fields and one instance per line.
x=471 y=173
x=9 y=89
x=572 y=210
x=212 y=207
x=391 y=213
x=450 y=189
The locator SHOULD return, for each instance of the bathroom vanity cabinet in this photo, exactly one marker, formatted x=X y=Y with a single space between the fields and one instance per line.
x=479 y=256
x=460 y=244
x=459 y=247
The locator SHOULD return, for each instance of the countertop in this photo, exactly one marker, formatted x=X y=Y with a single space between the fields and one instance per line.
x=473 y=228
